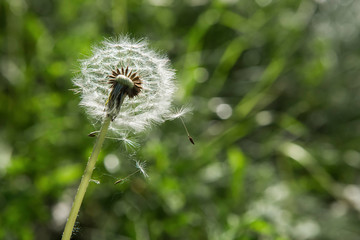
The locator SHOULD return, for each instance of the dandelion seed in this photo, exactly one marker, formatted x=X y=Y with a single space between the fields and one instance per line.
x=141 y=166
x=188 y=134
x=191 y=140
x=178 y=113
x=120 y=180
x=129 y=142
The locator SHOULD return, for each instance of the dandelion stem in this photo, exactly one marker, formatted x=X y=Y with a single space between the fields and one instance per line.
x=85 y=180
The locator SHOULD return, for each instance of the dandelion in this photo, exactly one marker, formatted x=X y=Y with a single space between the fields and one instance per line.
x=127 y=87
x=127 y=69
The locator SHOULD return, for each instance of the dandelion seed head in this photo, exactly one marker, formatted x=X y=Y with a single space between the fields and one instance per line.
x=151 y=105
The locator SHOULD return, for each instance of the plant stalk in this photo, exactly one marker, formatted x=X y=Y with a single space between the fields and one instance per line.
x=85 y=180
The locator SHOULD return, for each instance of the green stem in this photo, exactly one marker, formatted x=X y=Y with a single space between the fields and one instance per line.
x=85 y=180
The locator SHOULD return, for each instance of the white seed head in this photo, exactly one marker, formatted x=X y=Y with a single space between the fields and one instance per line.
x=152 y=104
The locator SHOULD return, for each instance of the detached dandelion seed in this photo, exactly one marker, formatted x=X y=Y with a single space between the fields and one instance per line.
x=188 y=134
x=178 y=113
x=141 y=168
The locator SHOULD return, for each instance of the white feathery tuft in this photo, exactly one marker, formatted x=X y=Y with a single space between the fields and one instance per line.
x=141 y=167
x=153 y=105
x=179 y=112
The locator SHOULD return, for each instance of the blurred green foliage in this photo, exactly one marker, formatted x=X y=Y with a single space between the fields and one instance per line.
x=274 y=86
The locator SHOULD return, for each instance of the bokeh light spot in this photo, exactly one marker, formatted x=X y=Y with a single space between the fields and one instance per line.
x=224 y=111
x=264 y=118
x=111 y=163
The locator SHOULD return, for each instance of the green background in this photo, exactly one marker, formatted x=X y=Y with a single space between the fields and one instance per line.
x=275 y=90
